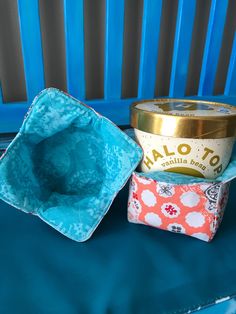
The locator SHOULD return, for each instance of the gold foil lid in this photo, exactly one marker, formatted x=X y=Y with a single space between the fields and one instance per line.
x=184 y=118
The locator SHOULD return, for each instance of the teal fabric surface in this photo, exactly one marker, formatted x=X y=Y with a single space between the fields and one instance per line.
x=124 y=269
x=67 y=164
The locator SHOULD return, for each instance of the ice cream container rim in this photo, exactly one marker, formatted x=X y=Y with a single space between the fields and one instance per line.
x=184 y=126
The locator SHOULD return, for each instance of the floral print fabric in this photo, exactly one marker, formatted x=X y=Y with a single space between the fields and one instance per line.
x=194 y=209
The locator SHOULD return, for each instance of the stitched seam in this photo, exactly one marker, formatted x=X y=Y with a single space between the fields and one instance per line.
x=208 y=302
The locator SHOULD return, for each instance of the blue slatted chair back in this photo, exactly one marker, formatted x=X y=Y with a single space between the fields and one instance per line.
x=113 y=106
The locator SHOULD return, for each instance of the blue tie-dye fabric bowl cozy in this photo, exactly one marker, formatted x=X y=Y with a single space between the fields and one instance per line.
x=66 y=164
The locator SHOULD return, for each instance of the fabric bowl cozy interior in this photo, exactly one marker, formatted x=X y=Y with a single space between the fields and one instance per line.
x=66 y=164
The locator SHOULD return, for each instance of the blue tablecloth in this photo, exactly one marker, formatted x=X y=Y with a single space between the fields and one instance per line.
x=123 y=268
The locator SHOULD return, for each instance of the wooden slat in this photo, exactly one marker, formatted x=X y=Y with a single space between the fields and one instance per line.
x=230 y=86
x=29 y=20
x=149 y=48
x=182 y=46
x=114 y=49
x=74 y=37
x=1 y=97
x=12 y=114
x=212 y=46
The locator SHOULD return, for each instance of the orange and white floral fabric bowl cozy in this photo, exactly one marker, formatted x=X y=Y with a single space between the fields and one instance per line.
x=180 y=203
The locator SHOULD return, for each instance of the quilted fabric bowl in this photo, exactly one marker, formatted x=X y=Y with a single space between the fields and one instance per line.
x=66 y=164
x=179 y=203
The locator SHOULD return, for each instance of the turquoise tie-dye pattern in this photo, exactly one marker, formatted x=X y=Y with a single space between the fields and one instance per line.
x=66 y=164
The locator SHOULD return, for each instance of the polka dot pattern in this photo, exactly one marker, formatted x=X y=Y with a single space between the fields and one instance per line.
x=153 y=219
x=190 y=199
x=148 y=198
x=195 y=219
x=185 y=209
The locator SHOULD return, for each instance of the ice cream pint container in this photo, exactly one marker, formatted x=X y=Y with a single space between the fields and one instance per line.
x=192 y=137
